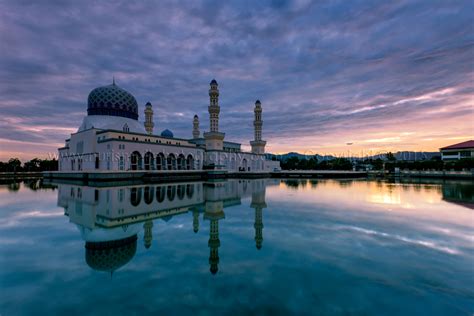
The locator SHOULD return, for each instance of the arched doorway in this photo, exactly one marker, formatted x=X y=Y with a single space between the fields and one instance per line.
x=181 y=162
x=171 y=162
x=149 y=161
x=136 y=161
x=190 y=162
x=160 y=162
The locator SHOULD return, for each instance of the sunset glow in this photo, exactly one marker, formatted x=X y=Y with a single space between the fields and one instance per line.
x=340 y=78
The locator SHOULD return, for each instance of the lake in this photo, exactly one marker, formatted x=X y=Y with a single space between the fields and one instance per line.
x=264 y=247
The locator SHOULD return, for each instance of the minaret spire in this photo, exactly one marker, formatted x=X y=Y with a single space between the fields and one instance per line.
x=214 y=107
x=214 y=139
x=258 y=145
x=196 y=131
x=149 y=118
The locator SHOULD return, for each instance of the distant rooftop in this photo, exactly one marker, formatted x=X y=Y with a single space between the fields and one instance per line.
x=463 y=145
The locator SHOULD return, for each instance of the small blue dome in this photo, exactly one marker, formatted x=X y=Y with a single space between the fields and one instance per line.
x=167 y=133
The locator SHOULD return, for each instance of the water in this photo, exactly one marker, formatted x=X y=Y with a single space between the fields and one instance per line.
x=238 y=247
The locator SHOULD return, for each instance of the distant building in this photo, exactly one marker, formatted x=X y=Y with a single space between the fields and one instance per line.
x=458 y=151
x=112 y=139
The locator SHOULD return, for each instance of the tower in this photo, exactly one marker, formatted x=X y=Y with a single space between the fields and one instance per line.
x=214 y=108
x=149 y=118
x=258 y=203
x=214 y=139
x=196 y=131
x=148 y=236
x=258 y=145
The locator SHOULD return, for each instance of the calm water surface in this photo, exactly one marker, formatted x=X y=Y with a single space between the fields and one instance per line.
x=238 y=247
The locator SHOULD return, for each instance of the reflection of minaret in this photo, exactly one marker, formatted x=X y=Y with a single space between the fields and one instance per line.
x=148 y=226
x=258 y=203
x=196 y=221
x=214 y=212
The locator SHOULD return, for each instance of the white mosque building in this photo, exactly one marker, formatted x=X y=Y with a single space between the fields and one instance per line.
x=111 y=138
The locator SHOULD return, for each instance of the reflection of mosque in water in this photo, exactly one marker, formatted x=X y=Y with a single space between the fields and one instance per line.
x=111 y=218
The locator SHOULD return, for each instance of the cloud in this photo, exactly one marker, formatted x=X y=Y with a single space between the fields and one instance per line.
x=325 y=72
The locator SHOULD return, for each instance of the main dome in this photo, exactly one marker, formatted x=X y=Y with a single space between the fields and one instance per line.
x=113 y=101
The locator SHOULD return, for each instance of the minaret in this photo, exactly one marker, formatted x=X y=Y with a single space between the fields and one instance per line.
x=258 y=145
x=195 y=221
x=149 y=118
x=258 y=203
x=214 y=139
x=148 y=237
x=214 y=108
x=196 y=131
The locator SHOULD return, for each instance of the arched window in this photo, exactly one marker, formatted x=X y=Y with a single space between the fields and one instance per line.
x=121 y=163
x=126 y=128
x=136 y=161
x=149 y=161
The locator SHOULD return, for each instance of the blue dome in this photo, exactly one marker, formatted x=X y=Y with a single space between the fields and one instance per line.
x=167 y=133
x=113 y=101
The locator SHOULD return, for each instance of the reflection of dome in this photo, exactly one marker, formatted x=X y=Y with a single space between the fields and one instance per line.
x=112 y=100
x=167 y=133
x=167 y=218
x=110 y=255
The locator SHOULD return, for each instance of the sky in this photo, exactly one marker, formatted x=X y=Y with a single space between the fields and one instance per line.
x=334 y=77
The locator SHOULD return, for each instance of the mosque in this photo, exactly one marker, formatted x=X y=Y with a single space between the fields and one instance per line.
x=111 y=138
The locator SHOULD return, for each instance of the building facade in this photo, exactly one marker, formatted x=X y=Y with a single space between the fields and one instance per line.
x=111 y=138
x=458 y=151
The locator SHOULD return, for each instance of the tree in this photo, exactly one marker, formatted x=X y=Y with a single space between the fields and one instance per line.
x=32 y=165
x=390 y=156
x=14 y=164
